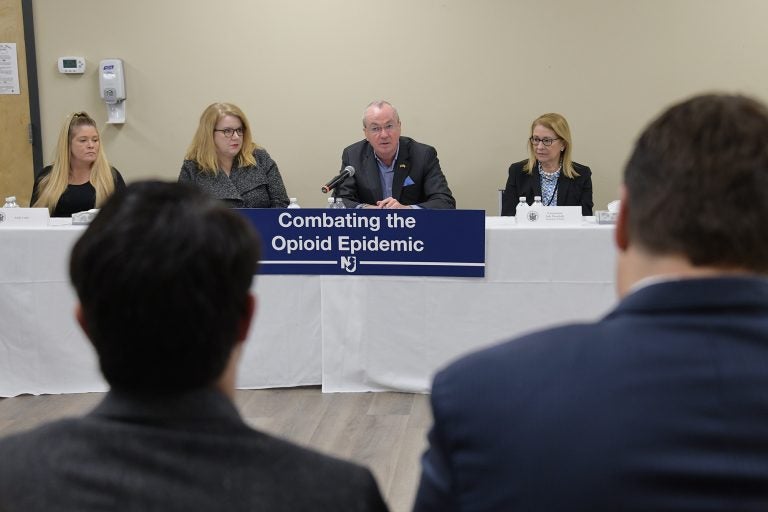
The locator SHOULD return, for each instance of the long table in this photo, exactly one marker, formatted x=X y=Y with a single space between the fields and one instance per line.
x=348 y=333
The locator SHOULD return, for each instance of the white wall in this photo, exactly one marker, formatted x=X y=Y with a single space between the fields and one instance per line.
x=467 y=76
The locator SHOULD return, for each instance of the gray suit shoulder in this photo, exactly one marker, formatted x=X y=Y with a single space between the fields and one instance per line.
x=263 y=471
x=331 y=482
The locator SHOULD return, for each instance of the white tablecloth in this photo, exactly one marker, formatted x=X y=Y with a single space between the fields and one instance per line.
x=43 y=350
x=393 y=332
x=350 y=333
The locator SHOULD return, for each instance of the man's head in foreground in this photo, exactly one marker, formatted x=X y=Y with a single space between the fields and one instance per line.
x=163 y=276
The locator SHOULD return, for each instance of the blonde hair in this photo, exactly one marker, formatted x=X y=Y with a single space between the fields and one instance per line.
x=53 y=185
x=202 y=150
x=559 y=125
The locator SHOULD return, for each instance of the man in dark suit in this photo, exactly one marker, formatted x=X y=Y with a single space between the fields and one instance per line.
x=392 y=171
x=662 y=404
x=163 y=277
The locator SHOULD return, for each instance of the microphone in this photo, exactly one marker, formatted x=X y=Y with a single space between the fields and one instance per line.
x=335 y=182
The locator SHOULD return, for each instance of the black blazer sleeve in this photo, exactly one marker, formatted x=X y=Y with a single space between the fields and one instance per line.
x=580 y=190
x=36 y=187
x=119 y=181
x=518 y=183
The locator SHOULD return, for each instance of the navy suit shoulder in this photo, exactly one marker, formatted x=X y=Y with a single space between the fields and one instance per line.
x=620 y=414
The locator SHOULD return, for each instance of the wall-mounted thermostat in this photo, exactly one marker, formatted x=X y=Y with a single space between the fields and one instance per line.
x=72 y=65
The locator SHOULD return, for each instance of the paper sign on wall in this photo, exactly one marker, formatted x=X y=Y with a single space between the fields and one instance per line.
x=9 y=69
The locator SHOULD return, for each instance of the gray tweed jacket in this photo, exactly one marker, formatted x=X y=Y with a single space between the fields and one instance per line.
x=252 y=186
x=188 y=452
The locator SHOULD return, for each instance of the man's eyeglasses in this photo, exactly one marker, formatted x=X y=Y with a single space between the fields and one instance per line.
x=378 y=129
x=229 y=132
x=547 y=141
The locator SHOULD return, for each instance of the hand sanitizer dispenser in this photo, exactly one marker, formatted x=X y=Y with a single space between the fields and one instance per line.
x=112 y=89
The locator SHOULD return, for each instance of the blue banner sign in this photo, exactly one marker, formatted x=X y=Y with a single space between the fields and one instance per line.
x=371 y=242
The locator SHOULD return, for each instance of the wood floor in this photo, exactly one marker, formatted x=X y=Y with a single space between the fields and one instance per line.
x=384 y=431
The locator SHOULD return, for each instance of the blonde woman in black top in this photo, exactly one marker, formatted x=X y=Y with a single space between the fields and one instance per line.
x=549 y=171
x=80 y=177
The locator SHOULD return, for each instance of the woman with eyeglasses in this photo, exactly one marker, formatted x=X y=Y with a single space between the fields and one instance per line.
x=224 y=161
x=549 y=171
x=80 y=177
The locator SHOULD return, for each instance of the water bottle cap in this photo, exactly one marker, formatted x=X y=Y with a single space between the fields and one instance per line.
x=10 y=199
x=537 y=198
x=331 y=200
x=293 y=199
x=522 y=199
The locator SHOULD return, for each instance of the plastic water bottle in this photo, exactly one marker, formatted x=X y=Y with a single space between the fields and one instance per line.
x=10 y=202
x=293 y=203
x=522 y=207
x=537 y=202
x=339 y=204
x=331 y=203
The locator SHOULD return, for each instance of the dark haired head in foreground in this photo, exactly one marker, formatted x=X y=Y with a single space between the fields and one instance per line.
x=662 y=404
x=163 y=275
x=697 y=185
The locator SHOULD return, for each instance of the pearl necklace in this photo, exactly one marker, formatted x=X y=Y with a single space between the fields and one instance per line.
x=549 y=174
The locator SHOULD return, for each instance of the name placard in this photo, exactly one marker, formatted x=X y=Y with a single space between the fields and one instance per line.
x=24 y=217
x=371 y=242
x=551 y=216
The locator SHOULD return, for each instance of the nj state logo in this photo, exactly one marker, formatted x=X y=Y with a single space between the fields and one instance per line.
x=2 y=216
x=349 y=263
x=533 y=215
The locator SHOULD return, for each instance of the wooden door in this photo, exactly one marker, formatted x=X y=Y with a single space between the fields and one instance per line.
x=16 y=159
